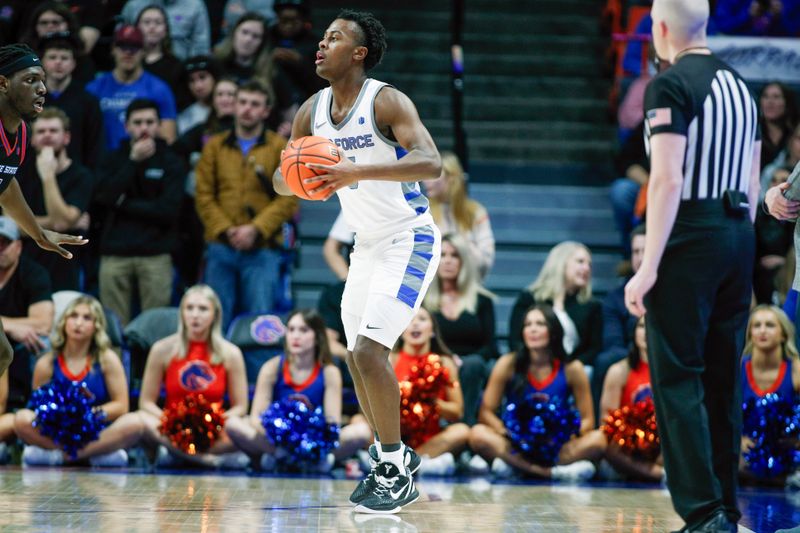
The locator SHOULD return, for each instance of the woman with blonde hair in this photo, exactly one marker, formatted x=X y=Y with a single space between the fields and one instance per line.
x=464 y=310
x=565 y=283
x=195 y=360
x=455 y=212
x=82 y=353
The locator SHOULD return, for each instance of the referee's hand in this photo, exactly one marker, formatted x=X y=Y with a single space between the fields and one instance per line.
x=636 y=289
x=778 y=205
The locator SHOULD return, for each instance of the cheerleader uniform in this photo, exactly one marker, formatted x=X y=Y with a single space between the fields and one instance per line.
x=92 y=375
x=637 y=388
x=552 y=387
x=195 y=374
x=312 y=390
x=782 y=386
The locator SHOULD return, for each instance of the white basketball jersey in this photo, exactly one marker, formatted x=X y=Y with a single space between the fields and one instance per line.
x=370 y=207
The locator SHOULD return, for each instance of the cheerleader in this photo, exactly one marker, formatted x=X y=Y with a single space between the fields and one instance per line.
x=420 y=341
x=306 y=372
x=538 y=367
x=770 y=363
x=628 y=382
x=82 y=353
x=195 y=360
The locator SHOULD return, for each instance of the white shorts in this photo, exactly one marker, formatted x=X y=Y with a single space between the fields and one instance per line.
x=386 y=283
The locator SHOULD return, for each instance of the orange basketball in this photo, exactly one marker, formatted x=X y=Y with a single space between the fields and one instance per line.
x=310 y=149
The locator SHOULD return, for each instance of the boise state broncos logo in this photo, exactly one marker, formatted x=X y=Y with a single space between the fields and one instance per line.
x=642 y=392
x=196 y=376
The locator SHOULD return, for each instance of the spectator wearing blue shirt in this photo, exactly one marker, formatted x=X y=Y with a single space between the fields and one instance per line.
x=774 y=18
x=127 y=82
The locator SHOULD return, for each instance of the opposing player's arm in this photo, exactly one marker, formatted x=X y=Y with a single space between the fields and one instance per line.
x=300 y=128
x=395 y=113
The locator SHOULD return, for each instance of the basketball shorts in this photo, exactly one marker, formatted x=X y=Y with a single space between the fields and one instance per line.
x=386 y=283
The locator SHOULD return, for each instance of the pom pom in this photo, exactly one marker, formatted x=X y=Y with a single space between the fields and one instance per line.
x=538 y=429
x=300 y=432
x=772 y=422
x=419 y=409
x=193 y=424
x=633 y=429
x=65 y=414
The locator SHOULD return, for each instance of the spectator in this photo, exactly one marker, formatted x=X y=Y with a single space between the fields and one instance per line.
x=455 y=212
x=12 y=18
x=294 y=50
x=199 y=349
x=201 y=75
x=779 y=117
x=633 y=164
x=775 y=18
x=58 y=191
x=158 y=59
x=128 y=81
x=770 y=363
x=56 y=17
x=464 y=311
x=26 y=309
x=82 y=352
x=788 y=157
x=618 y=323
x=538 y=366
x=140 y=185
x=774 y=239
x=234 y=9
x=565 y=282
x=242 y=215
x=628 y=382
x=304 y=371
x=189 y=29
x=58 y=54
x=223 y=107
x=436 y=445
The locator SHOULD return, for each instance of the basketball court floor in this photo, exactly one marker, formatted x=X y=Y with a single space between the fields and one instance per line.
x=83 y=500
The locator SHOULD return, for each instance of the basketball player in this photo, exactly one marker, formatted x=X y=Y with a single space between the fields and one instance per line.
x=397 y=246
x=695 y=280
x=22 y=93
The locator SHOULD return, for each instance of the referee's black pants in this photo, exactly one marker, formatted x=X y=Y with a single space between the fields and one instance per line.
x=696 y=316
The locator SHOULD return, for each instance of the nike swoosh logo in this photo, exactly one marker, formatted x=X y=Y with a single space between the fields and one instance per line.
x=372 y=327
x=320 y=124
x=396 y=495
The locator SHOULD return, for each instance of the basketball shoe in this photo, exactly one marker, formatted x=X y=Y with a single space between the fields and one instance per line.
x=367 y=485
x=392 y=491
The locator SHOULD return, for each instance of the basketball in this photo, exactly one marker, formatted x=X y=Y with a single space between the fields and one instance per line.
x=310 y=149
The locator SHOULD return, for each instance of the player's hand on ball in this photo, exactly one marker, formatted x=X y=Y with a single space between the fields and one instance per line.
x=51 y=241
x=334 y=177
x=636 y=289
x=778 y=205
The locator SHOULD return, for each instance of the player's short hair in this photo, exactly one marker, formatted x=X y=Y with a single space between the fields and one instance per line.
x=373 y=35
x=54 y=112
x=141 y=103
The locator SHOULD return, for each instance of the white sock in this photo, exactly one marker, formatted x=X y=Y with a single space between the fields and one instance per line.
x=396 y=458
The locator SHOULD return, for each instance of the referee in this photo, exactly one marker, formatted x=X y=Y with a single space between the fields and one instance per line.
x=701 y=130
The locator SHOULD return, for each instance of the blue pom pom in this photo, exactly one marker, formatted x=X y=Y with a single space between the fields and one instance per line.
x=538 y=429
x=64 y=414
x=301 y=432
x=772 y=422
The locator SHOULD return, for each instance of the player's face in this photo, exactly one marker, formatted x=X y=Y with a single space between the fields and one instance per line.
x=197 y=315
x=338 y=48
x=637 y=252
x=579 y=270
x=25 y=91
x=58 y=64
x=300 y=337
x=142 y=124
x=225 y=99
x=247 y=38
x=80 y=323
x=766 y=331
x=450 y=263
x=49 y=132
x=420 y=331
x=534 y=331
x=251 y=109
x=153 y=26
x=201 y=83
x=640 y=336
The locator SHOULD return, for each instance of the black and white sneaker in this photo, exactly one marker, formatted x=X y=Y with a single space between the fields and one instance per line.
x=366 y=485
x=393 y=490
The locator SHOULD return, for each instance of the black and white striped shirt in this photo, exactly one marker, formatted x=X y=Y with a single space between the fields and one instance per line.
x=704 y=99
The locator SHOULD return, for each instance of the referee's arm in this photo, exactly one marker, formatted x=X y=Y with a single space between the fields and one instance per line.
x=663 y=198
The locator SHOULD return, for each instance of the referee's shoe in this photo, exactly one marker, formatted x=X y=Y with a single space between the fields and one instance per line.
x=393 y=490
